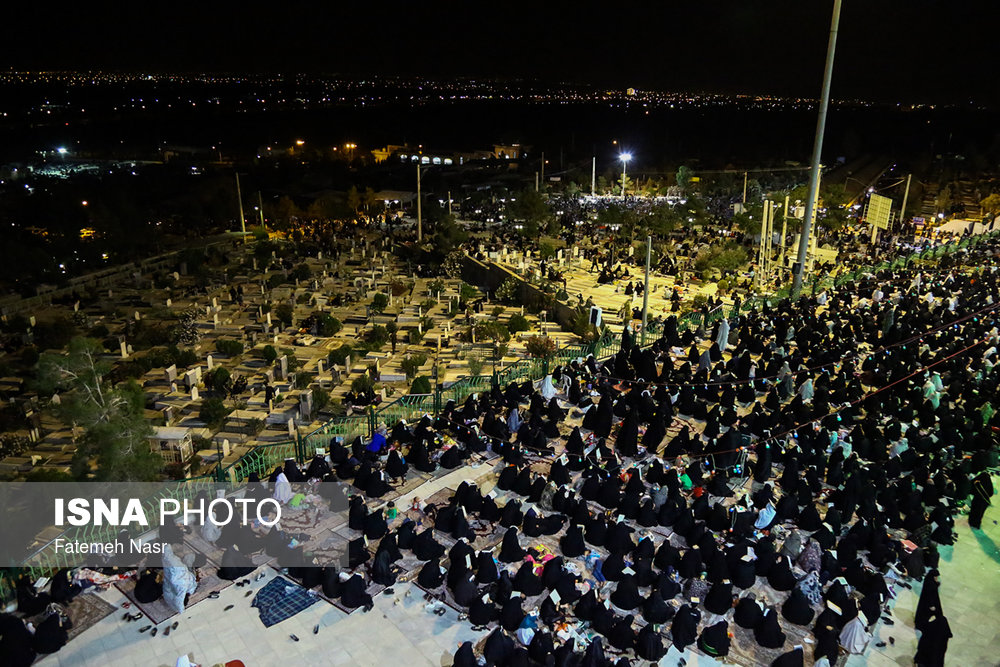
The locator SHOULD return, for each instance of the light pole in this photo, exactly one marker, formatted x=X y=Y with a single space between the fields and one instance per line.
x=624 y=157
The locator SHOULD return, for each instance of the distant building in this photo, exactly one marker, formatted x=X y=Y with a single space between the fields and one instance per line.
x=407 y=153
x=172 y=443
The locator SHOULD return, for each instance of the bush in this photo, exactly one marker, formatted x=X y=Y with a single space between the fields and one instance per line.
x=362 y=383
x=435 y=286
x=259 y=234
x=546 y=250
x=218 y=380
x=276 y=279
x=302 y=299
x=475 y=365
x=541 y=347
x=301 y=272
x=517 y=324
x=411 y=365
x=422 y=385
x=467 y=292
x=379 y=303
x=229 y=347
x=321 y=398
x=303 y=380
x=722 y=286
x=427 y=304
x=213 y=412
x=378 y=335
x=399 y=287
x=339 y=355
x=497 y=312
x=414 y=336
x=269 y=354
x=327 y=325
x=509 y=291
x=284 y=314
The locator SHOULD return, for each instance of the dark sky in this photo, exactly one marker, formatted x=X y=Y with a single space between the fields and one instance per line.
x=937 y=50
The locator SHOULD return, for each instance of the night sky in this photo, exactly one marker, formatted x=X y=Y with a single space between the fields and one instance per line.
x=889 y=50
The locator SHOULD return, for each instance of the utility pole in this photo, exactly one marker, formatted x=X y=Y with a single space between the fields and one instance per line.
x=239 y=198
x=814 y=174
x=260 y=206
x=543 y=167
x=784 y=229
x=593 y=175
x=449 y=202
x=645 y=290
x=420 y=219
x=745 y=187
x=536 y=181
x=906 y=195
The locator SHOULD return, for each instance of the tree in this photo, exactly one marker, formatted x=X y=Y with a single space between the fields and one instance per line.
x=532 y=209
x=379 y=303
x=219 y=380
x=269 y=354
x=116 y=433
x=213 y=412
x=411 y=365
x=421 y=385
x=747 y=223
x=284 y=314
x=991 y=204
x=517 y=323
x=354 y=198
x=541 y=347
x=943 y=200
x=684 y=176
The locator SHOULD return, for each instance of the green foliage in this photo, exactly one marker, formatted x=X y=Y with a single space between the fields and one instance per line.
x=497 y=312
x=509 y=292
x=229 y=347
x=327 y=325
x=492 y=330
x=362 y=383
x=414 y=336
x=412 y=364
x=421 y=385
x=747 y=224
x=115 y=430
x=321 y=398
x=259 y=234
x=379 y=303
x=392 y=328
x=452 y=264
x=467 y=292
x=301 y=272
x=218 y=380
x=546 y=250
x=303 y=380
x=276 y=279
x=532 y=209
x=213 y=412
x=427 y=304
x=517 y=323
x=284 y=312
x=540 y=347
x=722 y=286
x=581 y=326
x=339 y=355
x=378 y=335
x=475 y=365
x=269 y=354
x=725 y=257
x=435 y=286
x=683 y=177
x=399 y=287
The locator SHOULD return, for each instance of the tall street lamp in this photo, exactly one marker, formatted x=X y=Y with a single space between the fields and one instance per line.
x=624 y=157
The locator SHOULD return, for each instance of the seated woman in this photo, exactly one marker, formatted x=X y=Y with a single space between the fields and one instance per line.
x=355 y=593
x=235 y=564
x=149 y=587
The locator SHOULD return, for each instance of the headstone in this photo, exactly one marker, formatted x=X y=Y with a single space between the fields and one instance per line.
x=305 y=404
x=215 y=302
x=171 y=372
x=319 y=367
x=137 y=316
x=319 y=255
x=110 y=294
x=254 y=263
x=283 y=366
x=168 y=415
x=124 y=349
x=76 y=307
x=215 y=320
x=291 y=427
x=439 y=342
x=169 y=303
x=177 y=276
x=225 y=448
x=173 y=387
x=268 y=319
x=208 y=362
x=347 y=363
x=31 y=320
x=194 y=393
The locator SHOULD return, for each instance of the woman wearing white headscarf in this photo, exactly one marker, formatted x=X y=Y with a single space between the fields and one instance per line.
x=806 y=390
x=854 y=637
x=282 y=489
x=723 y=338
x=178 y=580
x=547 y=389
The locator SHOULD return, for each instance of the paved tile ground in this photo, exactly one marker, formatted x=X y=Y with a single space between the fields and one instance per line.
x=400 y=631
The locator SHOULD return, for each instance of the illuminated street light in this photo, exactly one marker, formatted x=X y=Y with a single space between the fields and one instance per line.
x=299 y=142
x=61 y=151
x=624 y=157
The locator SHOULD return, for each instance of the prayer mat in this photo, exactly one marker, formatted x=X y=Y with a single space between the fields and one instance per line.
x=281 y=599
x=158 y=610
x=85 y=611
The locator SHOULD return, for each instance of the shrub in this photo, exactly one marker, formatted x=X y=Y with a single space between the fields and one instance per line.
x=722 y=286
x=229 y=347
x=399 y=287
x=422 y=385
x=392 y=328
x=546 y=250
x=327 y=325
x=362 y=383
x=284 y=314
x=467 y=292
x=475 y=365
x=378 y=335
x=213 y=412
x=302 y=272
x=427 y=304
x=379 y=303
x=414 y=336
x=218 y=380
x=302 y=299
x=321 y=398
x=497 y=312
x=302 y=380
x=411 y=365
x=339 y=355
x=540 y=347
x=517 y=324
x=435 y=286
x=269 y=354
x=276 y=279
x=509 y=291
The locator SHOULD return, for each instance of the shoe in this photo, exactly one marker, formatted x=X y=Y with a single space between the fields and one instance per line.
x=892 y=641
x=166 y=631
x=316 y=629
x=294 y=638
x=214 y=595
x=441 y=611
x=137 y=616
x=154 y=631
x=369 y=607
x=174 y=626
x=388 y=591
x=127 y=617
x=229 y=607
x=248 y=594
x=888 y=621
x=880 y=644
x=144 y=628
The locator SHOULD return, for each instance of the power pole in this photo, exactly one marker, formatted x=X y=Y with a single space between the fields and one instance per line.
x=906 y=195
x=260 y=206
x=645 y=290
x=536 y=181
x=784 y=229
x=239 y=198
x=449 y=202
x=814 y=174
x=543 y=167
x=744 y=188
x=420 y=219
x=593 y=175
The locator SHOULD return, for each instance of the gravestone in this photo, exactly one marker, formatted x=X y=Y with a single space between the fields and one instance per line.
x=194 y=393
x=76 y=307
x=291 y=427
x=171 y=372
x=283 y=366
x=305 y=404
x=169 y=303
x=124 y=349
x=208 y=362
x=168 y=415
